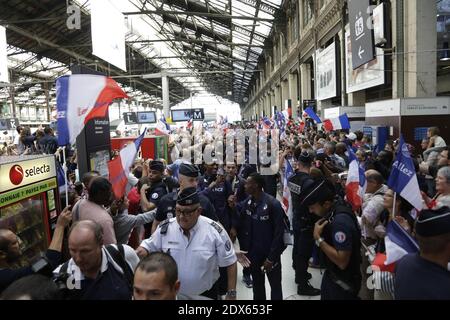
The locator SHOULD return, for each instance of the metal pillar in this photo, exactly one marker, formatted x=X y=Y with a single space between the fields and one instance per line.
x=165 y=95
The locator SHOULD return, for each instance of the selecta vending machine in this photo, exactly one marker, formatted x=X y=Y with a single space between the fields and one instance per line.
x=29 y=200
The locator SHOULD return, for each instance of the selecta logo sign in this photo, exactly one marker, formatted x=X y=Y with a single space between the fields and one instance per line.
x=26 y=172
x=16 y=175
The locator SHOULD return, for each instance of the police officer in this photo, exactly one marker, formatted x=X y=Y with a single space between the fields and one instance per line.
x=302 y=223
x=426 y=275
x=238 y=195
x=209 y=176
x=152 y=194
x=338 y=236
x=187 y=177
x=199 y=246
x=262 y=227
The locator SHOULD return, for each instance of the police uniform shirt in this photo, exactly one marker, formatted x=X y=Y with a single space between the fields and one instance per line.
x=199 y=257
x=156 y=192
x=167 y=204
x=262 y=229
x=218 y=195
x=297 y=185
x=417 y=278
x=342 y=234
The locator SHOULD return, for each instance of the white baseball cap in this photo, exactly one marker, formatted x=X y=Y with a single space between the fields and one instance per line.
x=351 y=136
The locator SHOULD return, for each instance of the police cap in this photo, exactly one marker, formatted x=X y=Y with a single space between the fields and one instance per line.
x=433 y=222
x=156 y=165
x=189 y=170
x=188 y=196
x=321 y=190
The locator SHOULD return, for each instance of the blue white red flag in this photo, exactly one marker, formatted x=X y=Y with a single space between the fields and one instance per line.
x=398 y=243
x=403 y=178
x=119 y=167
x=80 y=98
x=356 y=184
x=340 y=123
x=310 y=112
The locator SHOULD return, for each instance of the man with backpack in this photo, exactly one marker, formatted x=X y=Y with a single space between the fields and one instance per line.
x=95 y=271
x=338 y=236
x=262 y=227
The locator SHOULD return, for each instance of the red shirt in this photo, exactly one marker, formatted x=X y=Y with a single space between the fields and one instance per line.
x=134 y=199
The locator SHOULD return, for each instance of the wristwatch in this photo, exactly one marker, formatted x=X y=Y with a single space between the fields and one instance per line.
x=319 y=241
x=232 y=293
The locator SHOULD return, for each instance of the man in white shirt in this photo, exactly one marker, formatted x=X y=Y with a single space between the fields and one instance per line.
x=199 y=246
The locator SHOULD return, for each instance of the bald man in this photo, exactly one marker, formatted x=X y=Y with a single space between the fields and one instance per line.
x=95 y=271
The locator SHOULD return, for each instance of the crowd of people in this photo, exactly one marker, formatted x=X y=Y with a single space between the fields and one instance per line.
x=182 y=225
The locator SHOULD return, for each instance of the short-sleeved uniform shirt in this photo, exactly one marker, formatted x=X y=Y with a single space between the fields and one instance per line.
x=199 y=257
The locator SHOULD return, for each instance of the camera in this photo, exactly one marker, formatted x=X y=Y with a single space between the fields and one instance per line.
x=42 y=266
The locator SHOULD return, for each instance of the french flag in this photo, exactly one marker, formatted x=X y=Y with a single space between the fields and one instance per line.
x=403 y=178
x=340 y=123
x=162 y=128
x=356 y=184
x=287 y=201
x=80 y=98
x=398 y=243
x=310 y=112
x=267 y=124
x=190 y=123
x=119 y=167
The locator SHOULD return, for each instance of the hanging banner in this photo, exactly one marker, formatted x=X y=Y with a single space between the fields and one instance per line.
x=326 y=73
x=371 y=74
x=4 y=77
x=108 y=33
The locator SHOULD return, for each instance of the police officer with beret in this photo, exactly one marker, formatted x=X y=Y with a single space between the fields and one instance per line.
x=198 y=244
x=338 y=236
x=152 y=194
x=426 y=275
x=187 y=177
x=302 y=223
x=262 y=228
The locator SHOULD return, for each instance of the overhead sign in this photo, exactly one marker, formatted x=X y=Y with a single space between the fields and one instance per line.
x=17 y=174
x=186 y=114
x=425 y=106
x=361 y=32
x=371 y=74
x=146 y=117
x=9 y=124
x=326 y=76
x=108 y=33
x=130 y=117
x=4 y=77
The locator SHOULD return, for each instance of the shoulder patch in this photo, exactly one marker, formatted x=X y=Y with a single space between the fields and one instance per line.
x=228 y=245
x=217 y=227
x=340 y=237
x=155 y=195
x=295 y=188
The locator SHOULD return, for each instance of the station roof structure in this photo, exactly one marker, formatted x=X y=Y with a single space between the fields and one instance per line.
x=214 y=45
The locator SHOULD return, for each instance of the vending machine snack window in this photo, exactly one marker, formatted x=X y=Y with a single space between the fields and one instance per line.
x=28 y=201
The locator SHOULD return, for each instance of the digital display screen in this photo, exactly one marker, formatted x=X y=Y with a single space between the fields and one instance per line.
x=99 y=162
x=186 y=114
x=146 y=117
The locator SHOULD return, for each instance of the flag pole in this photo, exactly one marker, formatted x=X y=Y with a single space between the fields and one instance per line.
x=393 y=206
x=65 y=175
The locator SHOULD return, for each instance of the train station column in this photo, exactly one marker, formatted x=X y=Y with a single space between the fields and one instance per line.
x=420 y=20
x=293 y=85
x=305 y=76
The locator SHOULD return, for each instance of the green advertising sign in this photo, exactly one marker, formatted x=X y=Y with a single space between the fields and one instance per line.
x=26 y=192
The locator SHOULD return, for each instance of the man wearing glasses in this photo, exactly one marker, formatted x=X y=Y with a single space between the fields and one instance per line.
x=199 y=246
